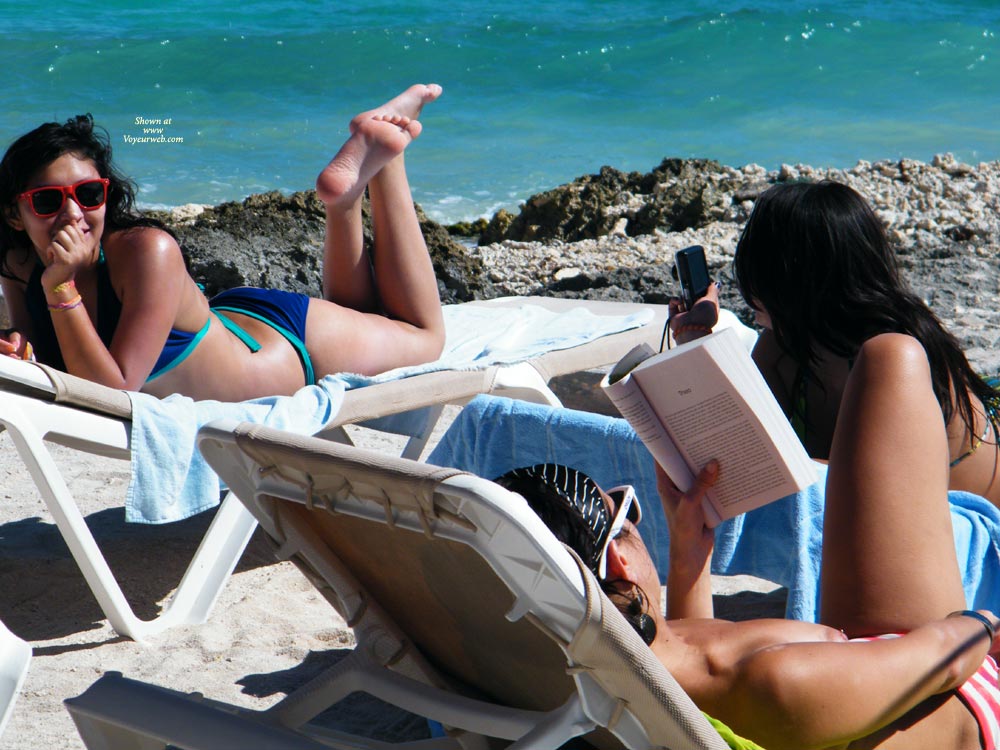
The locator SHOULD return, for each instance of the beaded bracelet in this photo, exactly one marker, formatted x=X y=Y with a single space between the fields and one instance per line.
x=64 y=287
x=69 y=305
x=991 y=629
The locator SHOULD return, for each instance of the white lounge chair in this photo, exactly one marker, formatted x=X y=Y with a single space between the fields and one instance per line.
x=40 y=405
x=465 y=608
x=15 y=655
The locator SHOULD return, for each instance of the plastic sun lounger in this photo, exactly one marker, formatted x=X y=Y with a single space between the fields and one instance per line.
x=39 y=404
x=465 y=608
x=528 y=380
x=15 y=656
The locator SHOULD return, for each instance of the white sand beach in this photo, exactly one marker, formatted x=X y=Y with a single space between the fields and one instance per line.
x=269 y=632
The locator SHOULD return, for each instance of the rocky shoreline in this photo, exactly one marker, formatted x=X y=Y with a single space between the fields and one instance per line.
x=612 y=235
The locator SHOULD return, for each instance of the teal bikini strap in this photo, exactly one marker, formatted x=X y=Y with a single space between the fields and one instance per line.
x=295 y=341
x=184 y=354
x=251 y=343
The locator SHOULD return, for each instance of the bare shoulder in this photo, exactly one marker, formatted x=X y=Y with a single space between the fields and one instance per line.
x=9 y=285
x=20 y=263
x=899 y=349
x=143 y=248
x=147 y=239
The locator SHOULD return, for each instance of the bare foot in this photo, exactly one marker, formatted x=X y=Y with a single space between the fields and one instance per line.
x=408 y=104
x=375 y=142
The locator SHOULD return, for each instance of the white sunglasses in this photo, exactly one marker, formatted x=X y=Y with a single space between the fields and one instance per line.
x=627 y=507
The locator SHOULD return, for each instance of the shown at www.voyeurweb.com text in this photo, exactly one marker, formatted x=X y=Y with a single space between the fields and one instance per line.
x=152 y=130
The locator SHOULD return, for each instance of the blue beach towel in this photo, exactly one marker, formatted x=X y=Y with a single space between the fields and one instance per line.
x=779 y=542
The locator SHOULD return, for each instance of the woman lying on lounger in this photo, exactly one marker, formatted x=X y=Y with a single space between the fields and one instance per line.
x=889 y=568
x=816 y=265
x=96 y=290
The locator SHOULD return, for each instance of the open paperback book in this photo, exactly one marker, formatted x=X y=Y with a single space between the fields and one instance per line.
x=706 y=399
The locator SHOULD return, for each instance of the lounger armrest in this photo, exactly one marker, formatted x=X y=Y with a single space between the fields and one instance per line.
x=417 y=392
x=86 y=394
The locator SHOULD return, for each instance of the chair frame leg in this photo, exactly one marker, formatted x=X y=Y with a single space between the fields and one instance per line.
x=211 y=565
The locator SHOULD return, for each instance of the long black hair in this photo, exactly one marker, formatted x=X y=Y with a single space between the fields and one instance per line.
x=817 y=259
x=40 y=147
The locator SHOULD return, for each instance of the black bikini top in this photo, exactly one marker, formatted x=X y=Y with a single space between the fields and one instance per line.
x=44 y=342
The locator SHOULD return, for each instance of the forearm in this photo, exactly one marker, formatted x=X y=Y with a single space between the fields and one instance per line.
x=83 y=352
x=822 y=694
x=689 y=590
x=689 y=583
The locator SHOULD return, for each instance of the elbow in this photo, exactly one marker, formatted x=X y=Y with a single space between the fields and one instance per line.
x=435 y=343
x=774 y=704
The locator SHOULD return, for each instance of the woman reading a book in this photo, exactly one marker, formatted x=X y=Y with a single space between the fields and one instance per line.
x=95 y=289
x=815 y=264
x=896 y=662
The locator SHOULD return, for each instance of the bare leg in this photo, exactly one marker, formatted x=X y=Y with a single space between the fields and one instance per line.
x=377 y=138
x=888 y=549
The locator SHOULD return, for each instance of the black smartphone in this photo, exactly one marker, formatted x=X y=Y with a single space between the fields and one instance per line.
x=692 y=273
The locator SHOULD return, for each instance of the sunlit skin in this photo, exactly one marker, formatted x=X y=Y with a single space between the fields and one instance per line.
x=368 y=320
x=789 y=684
x=978 y=473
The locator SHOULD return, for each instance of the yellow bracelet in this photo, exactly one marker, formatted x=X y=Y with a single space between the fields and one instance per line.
x=64 y=287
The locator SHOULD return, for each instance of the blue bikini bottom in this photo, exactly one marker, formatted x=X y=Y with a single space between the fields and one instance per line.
x=285 y=312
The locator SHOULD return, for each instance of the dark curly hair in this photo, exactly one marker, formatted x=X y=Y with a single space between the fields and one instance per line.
x=39 y=148
x=816 y=258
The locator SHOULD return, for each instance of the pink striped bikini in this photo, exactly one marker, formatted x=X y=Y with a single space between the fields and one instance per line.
x=981 y=693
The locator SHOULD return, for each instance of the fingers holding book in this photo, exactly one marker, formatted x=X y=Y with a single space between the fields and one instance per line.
x=685 y=512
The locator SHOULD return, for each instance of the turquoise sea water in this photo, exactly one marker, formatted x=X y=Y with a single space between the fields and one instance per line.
x=257 y=96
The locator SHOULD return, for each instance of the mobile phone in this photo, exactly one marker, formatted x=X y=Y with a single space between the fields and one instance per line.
x=692 y=273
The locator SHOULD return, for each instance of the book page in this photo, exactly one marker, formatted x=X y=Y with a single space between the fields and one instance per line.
x=706 y=399
x=632 y=404
x=702 y=396
x=719 y=427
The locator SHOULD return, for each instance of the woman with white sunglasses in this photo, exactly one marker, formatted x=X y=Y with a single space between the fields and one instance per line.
x=896 y=661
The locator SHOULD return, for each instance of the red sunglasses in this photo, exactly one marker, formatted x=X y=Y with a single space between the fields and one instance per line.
x=48 y=201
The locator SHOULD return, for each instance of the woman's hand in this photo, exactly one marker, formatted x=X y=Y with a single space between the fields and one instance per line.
x=691 y=540
x=13 y=344
x=68 y=251
x=689 y=583
x=687 y=325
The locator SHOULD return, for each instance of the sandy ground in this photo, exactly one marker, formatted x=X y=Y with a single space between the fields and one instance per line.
x=269 y=632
